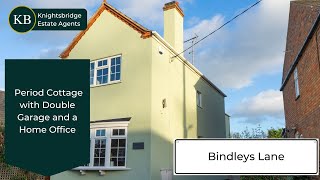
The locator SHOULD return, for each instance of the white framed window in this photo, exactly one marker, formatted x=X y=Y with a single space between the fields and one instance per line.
x=118 y=147
x=108 y=147
x=99 y=149
x=92 y=64
x=105 y=71
x=296 y=82
x=199 y=99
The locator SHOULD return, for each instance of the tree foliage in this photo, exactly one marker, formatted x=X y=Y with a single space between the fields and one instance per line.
x=255 y=133
x=258 y=133
x=274 y=133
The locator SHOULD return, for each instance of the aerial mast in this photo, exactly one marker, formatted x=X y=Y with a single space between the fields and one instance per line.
x=193 y=40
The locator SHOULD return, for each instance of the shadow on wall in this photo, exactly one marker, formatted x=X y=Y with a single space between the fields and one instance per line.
x=203 y=108
x=210 y=110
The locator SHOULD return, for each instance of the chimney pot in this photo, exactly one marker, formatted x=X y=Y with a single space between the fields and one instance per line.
x=173 y=4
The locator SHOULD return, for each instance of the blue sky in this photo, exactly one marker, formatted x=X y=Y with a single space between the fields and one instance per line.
x=244 y=59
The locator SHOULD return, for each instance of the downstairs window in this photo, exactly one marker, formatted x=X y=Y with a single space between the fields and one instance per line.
x=108 y=147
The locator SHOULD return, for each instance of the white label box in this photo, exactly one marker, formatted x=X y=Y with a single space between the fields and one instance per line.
x=246 y=157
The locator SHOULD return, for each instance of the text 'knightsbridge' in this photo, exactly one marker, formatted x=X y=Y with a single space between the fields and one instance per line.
x=59 y=15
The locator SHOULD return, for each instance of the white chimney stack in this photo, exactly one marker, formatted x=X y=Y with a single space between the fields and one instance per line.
x=173 y=25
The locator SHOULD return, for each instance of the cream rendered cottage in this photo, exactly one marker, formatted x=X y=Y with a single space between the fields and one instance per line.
x=143 y=97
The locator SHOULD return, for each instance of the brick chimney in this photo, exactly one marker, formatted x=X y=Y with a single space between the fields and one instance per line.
x=173 y=25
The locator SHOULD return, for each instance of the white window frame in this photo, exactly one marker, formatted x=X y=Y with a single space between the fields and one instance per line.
x=199 y=98
x=108 y=126
x=119 y=137
x=296 y=82
x=96 y=68
x=92 y=146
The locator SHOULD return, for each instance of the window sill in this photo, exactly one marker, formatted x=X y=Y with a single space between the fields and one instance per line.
x=100 y=169
x=114 y=82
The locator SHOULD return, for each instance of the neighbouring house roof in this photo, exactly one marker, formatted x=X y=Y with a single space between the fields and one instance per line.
x=306 y=42
x=145 y=33
x=308 y=2
x=1 y=107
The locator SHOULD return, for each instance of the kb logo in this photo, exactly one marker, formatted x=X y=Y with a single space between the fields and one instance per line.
x=22 y=19
x=26 y=19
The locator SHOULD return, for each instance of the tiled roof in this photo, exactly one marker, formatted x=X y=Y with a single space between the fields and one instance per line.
x=307 y=40
x=145 y=33
x=308 y=2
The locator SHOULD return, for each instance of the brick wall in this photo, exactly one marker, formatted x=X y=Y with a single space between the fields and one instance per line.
x=303 y=113
x=301 y=19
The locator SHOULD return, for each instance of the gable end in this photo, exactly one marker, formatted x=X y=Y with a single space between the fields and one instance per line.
x=145 y=33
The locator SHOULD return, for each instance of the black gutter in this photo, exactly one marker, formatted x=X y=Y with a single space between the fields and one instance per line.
x=112 y=120
x=292 y=67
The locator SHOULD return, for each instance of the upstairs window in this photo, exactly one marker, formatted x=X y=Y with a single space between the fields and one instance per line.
x=92 y=73
x=115 y=69
x=296 y=82
x=105 y=71
x=102 y=70
x=199 y=99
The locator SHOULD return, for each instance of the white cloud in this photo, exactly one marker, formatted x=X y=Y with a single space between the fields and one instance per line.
x=63 y=3
x=193 y=20
x=148 y=13
x=265 y=105
x=202 y=26
x=51 y=53
x=254 y=45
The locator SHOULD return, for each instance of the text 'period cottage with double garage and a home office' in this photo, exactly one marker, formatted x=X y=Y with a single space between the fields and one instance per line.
x=143 y=96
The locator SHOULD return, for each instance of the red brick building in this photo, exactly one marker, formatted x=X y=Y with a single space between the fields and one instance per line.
x=301 y=71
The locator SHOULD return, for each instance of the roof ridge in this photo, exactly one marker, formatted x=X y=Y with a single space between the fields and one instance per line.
x=145 y=33
x=300 y=52
x=146 y=29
